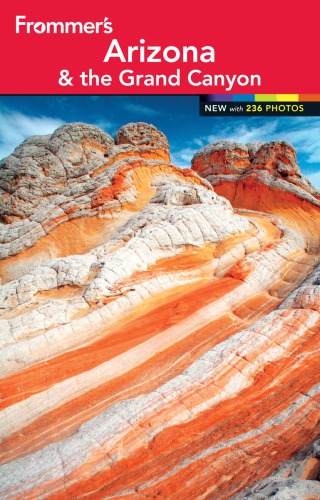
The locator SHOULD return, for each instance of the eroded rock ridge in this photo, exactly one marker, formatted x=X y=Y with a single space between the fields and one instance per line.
x=159 y=326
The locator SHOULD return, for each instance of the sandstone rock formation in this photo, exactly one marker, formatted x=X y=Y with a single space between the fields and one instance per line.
x=77 y=174
x=226 y=163
x=159 y=336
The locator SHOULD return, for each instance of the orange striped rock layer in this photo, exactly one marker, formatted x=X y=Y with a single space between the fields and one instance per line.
x=164 y=343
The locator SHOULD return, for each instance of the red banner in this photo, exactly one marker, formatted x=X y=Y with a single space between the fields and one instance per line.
x=158 y=48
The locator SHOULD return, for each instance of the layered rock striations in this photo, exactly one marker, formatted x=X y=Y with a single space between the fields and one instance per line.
x=60 y=192
x=228 y=164
x=159 y=326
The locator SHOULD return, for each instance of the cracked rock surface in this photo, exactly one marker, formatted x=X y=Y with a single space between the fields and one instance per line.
x=269 y=163
x=159 y=327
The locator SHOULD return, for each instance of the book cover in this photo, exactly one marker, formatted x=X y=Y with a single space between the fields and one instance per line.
x=159 y=246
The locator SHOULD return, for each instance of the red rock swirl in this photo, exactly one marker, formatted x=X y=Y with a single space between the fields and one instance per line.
x=159 y=326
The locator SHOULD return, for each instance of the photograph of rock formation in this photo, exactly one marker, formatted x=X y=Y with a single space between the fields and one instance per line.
x=160 y=326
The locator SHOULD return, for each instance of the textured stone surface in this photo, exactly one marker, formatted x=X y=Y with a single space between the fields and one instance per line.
x=158 y=340
x=222 y=157
x=268 y=162
x=296 y=478
x=52 y=185
x=146 y=138
x=288 y=489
